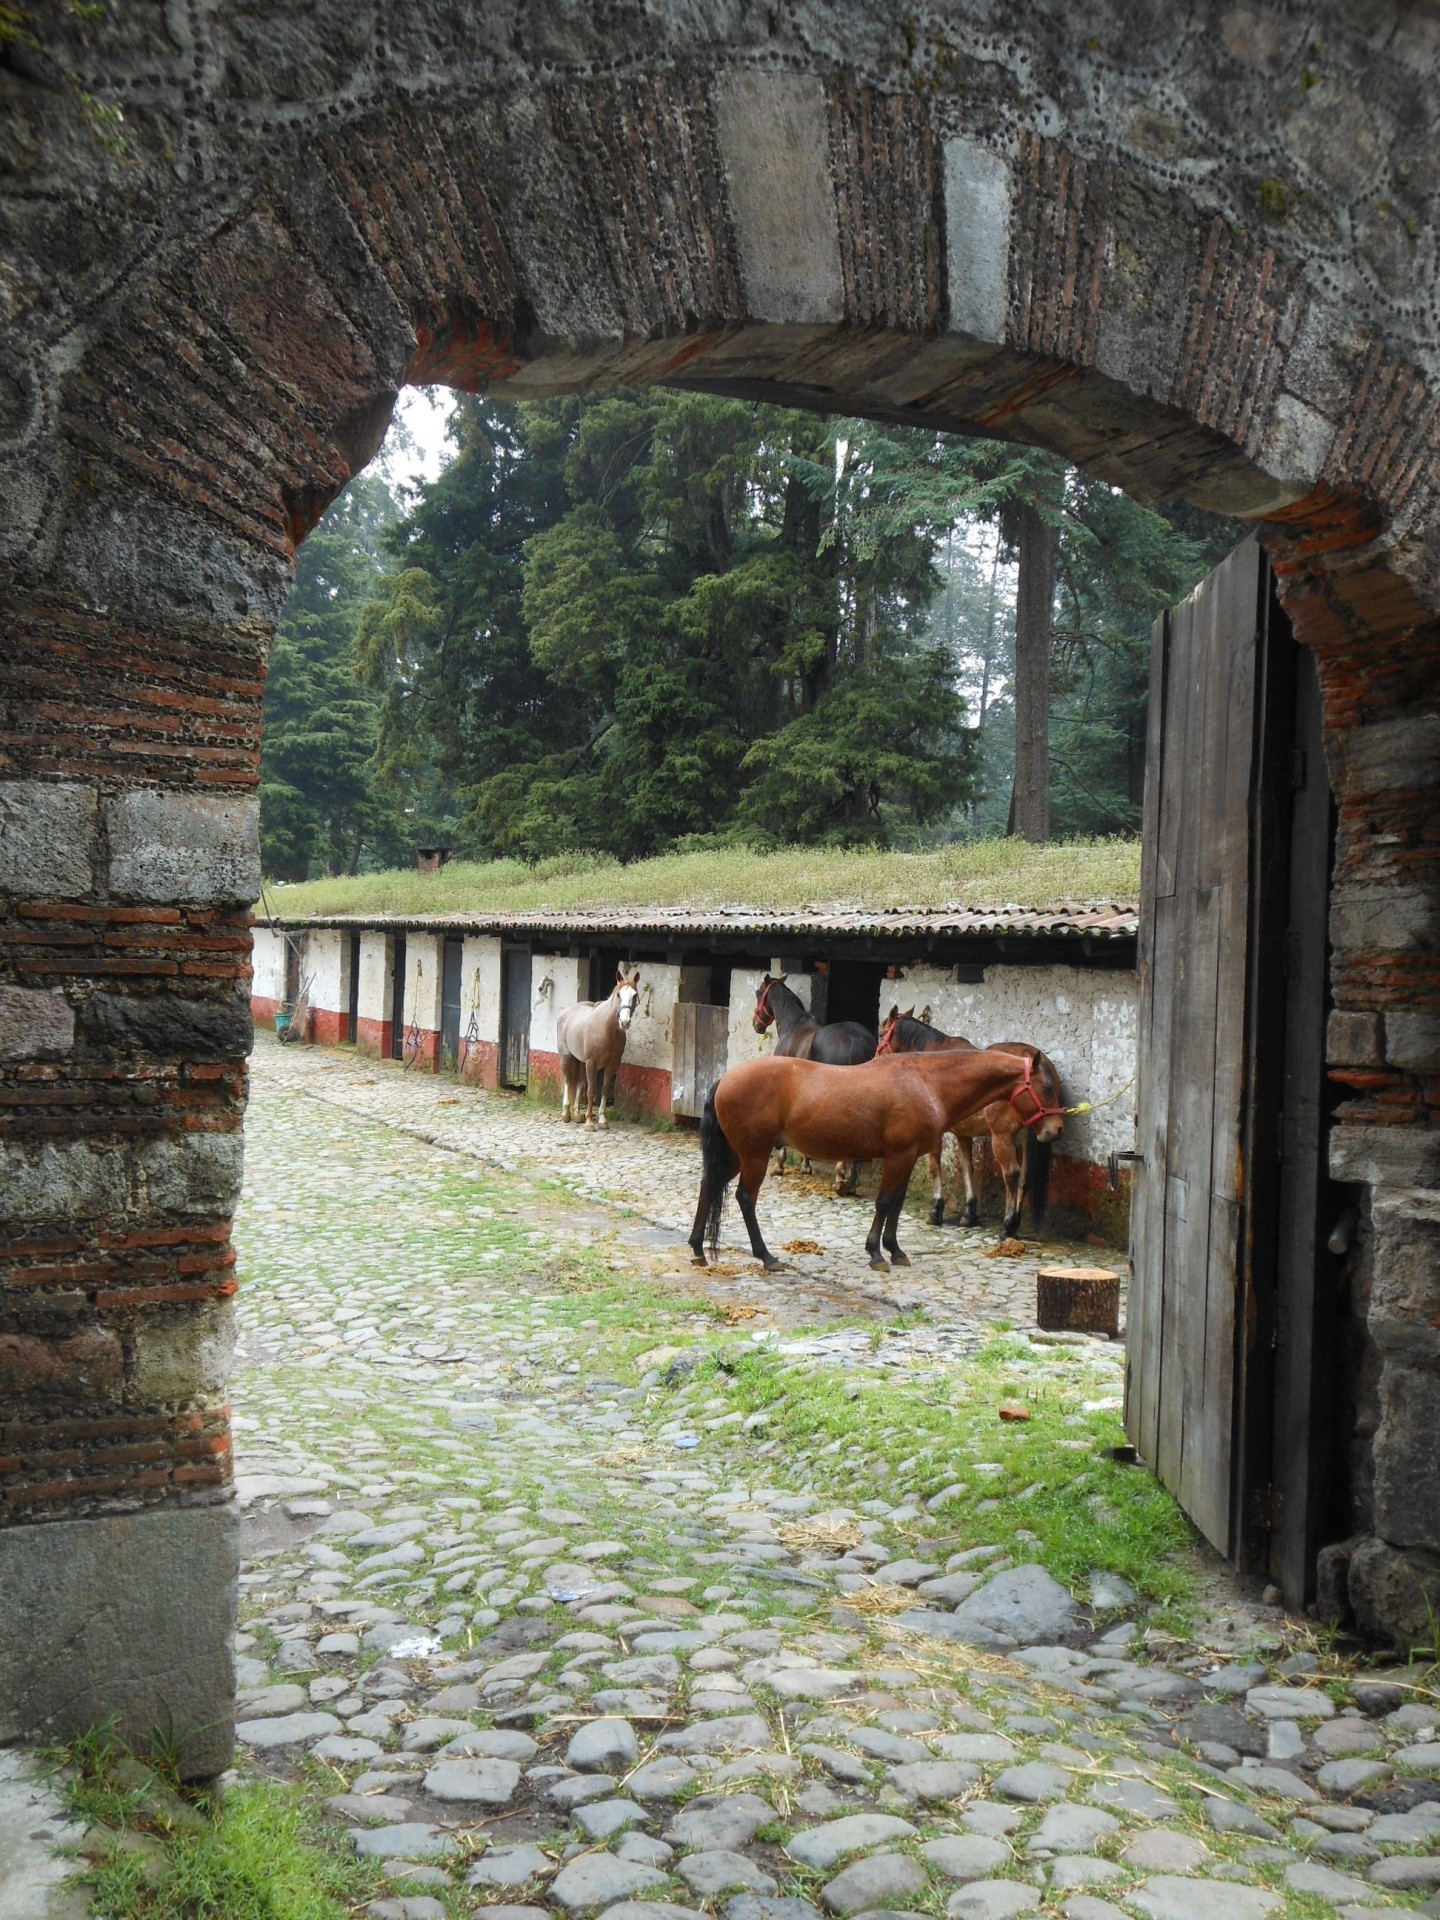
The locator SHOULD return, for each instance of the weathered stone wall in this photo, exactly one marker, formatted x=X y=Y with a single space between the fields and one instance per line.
x=1193 y=249
x=377 y=993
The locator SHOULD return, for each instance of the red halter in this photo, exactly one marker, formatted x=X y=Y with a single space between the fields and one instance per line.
x=1042 y=1112
x=764 y=1012
x=887 y=1039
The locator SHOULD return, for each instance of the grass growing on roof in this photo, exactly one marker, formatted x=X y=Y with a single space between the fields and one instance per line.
x=975 y=873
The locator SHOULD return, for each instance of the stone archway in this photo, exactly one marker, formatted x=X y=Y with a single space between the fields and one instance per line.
x=1181 y=254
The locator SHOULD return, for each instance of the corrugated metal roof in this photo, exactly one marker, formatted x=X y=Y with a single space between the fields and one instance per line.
x=1063 y=922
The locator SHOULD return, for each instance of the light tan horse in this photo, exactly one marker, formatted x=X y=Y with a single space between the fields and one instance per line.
x=590 y=1039
x=891 y=1109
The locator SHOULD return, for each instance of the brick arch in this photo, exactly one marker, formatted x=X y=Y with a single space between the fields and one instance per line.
x=1028 y=236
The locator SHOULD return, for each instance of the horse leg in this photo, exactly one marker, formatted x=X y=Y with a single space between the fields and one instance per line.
x=752 y=1175
x=564 y=1086
x=777 y=1166
x=965 y=1150
x=697 y=1232
x=601 y=1076
x=937 y=1189
x=847 y=1172
x=589 y=1096
x=1008 y=1162
x=899 y=1184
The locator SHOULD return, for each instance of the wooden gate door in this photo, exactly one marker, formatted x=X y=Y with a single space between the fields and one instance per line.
x=1225 y=893
x=515 y=1016
x=699 y=1044
x=450 y=1003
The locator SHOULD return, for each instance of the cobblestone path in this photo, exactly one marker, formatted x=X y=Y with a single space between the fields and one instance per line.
x=566 y=1594
x=655 y=1175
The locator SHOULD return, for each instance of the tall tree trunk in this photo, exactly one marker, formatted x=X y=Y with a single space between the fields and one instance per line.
x=1034 y=622
x=987 y=657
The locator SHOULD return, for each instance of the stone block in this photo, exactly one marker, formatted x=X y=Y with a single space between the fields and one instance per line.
x=191 y=1172
x=182 y=1354
x=1412 y=1041
x=1382 y=919
x=88 y=1365
x=1394 y=1592
x=775 y=147
x=977 y=236
x=35 y=1022
x=124 y=1615
x=1354 y=1039
x=61 y=1180
x=48 y=835
x=1376 y=1156
x=170 y=1024
x=183 y=846
x=1407 y=1487
x=1392 y=755
x=1404 y=1302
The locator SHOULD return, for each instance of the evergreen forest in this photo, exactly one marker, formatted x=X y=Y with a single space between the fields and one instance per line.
x=628 y=623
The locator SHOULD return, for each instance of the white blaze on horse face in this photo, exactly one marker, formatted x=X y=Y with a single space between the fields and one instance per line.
x=628 y=996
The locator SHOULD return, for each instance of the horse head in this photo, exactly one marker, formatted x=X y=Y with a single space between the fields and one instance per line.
x=1039 y=1101
x=763 y=1017
x=627 y=992
x=889 y=1030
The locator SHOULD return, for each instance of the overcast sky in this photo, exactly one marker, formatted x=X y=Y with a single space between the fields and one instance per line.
x=416 y=448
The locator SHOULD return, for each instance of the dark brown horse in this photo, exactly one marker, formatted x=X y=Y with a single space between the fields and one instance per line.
x=890 y=1109
x=1021 y=1134
x=800 y=1036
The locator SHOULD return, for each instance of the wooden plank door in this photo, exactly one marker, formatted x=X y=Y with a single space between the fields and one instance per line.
x=1234 y=883
x=397 y=1000
x=450 y=1002
x=699 y=1042
x=1188 y=1319
x=515 y=972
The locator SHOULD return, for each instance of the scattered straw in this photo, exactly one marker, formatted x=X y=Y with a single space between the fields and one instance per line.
x=623 y=1457
x=819 y=1536
x=879 y=1597
x=1006 y=1250
x=802 y=1246
x=735 y=1311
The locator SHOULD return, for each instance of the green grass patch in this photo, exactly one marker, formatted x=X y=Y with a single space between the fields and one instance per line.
x=973 y=873
x=1049 y=1495
x=257 y=1852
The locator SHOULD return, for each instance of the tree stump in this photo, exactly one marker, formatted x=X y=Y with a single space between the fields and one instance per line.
x=1077 y=1300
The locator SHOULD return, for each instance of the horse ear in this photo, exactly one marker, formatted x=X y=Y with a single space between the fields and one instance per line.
x=909 y=1013
x=893 y=1015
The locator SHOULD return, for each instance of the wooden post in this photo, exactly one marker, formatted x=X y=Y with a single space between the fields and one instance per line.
x=1077 y=1300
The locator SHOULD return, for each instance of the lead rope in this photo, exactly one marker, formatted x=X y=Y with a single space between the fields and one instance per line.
x=1094 y=1106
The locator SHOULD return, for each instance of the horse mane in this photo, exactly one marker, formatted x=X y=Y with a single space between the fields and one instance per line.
x=917 y=1034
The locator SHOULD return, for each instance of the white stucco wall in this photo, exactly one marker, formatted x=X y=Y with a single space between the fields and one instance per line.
x=377 y=966
x=1085 y=1020
x=423 y=980
x=568 y=982
x=480 y=987
x=326 y=963
x=267 y=957
x=648 y=1043
x=744 y=1042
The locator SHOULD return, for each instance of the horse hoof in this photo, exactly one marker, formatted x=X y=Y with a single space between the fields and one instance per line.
x=898 y=1259
x=698 y=1260
x=772 y=1266
x=937 y=1214
x=880 y=1266
x=972 y=1216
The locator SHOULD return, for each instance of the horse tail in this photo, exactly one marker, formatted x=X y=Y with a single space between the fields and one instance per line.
x=1036 y=1176
x=720 y=1164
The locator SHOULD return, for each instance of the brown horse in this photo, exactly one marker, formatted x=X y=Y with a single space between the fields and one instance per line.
x=889 y=1109
x=590 y=1039
x=1020 y=1140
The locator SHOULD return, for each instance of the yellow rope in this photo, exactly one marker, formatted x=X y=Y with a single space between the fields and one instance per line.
x=1093 y=1106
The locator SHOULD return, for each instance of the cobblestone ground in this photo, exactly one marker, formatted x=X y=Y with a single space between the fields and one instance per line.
x=558 y=1613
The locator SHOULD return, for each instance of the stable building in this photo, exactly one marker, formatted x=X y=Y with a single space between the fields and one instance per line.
x=480 y=995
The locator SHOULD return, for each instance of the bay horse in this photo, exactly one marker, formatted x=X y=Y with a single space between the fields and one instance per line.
x=590 y=1039
x=800 y=1036
x=890 y=1109
x=1020 y=1141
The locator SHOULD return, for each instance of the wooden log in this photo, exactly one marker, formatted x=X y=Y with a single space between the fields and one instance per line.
x=1077 y=1300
